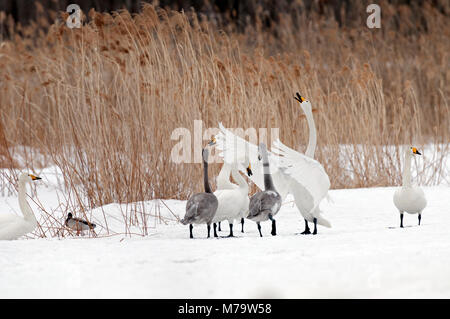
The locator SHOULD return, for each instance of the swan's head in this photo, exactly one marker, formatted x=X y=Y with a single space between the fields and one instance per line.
x=249 y=170
x=415 y=151
x=304 y=104
x=25 y=177
x=213 y=141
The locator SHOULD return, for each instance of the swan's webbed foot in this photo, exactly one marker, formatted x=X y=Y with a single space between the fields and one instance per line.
x=259 y=229
x=242 y=224
x=219 y=229
x=306 y=231
x=209 y=230
x=190 y=231
x=401 y=220
x=420 y=218
x=315 y=226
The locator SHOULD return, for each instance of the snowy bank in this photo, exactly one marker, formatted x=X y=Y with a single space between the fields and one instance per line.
x=364 y=254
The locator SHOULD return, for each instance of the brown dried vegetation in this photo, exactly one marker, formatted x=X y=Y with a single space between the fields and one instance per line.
x=103 y=100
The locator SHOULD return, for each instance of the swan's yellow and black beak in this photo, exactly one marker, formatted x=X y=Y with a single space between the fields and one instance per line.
x=212 y=142
x=34 y=178
x=415 y=151
x=249 y=170
x=299 y=98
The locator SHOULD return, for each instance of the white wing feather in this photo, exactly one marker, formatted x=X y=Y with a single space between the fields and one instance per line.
x=306 y=171
x=235 y=149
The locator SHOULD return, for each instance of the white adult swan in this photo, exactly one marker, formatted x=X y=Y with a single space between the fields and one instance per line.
x=409 y=198
x=201 y=207
x=12 y=226
x=315 y=215
x=265 y=205
x=233 y=202
x=223 y=183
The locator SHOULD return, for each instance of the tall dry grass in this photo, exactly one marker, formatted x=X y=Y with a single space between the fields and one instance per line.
x=102 y=101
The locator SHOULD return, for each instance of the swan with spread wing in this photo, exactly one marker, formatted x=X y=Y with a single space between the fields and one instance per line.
x=310 y=150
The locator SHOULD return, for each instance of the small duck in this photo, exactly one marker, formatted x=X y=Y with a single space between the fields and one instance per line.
x=78 y=224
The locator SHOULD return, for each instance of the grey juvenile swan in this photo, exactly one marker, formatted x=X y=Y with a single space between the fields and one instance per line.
x=265 y=205
x=201 y=207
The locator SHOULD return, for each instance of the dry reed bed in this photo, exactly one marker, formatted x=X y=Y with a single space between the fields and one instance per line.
x=102 y=101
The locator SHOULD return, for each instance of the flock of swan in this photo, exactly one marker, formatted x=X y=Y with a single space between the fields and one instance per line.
x=276 y=173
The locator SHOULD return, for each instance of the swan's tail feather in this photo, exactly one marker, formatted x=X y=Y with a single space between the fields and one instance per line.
x=322 y=221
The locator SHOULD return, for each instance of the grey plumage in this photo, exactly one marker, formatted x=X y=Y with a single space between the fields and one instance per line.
x=78 y=224
x=201 y=207
x=265 y=205
x=262 y=204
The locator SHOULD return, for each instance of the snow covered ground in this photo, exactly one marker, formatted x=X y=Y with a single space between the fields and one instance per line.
x=364 y=255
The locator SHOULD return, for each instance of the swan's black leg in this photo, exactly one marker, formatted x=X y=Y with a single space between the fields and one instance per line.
x=209 y=230
x=220 y=229
x=420 y=218
x=401 y=220
x=231 y=231
x=242 y=224
x=215 y=232
x=274 y=227
x=259 y=228
x=315 y=226
x=306 y=231
x=190 y=231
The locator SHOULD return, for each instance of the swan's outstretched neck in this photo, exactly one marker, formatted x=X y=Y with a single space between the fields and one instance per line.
x=311 y=149
x=205 y=171
x=239 y=179
x=268 y=184
x=24 y=206
x=223 y=179
x=407 y=169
